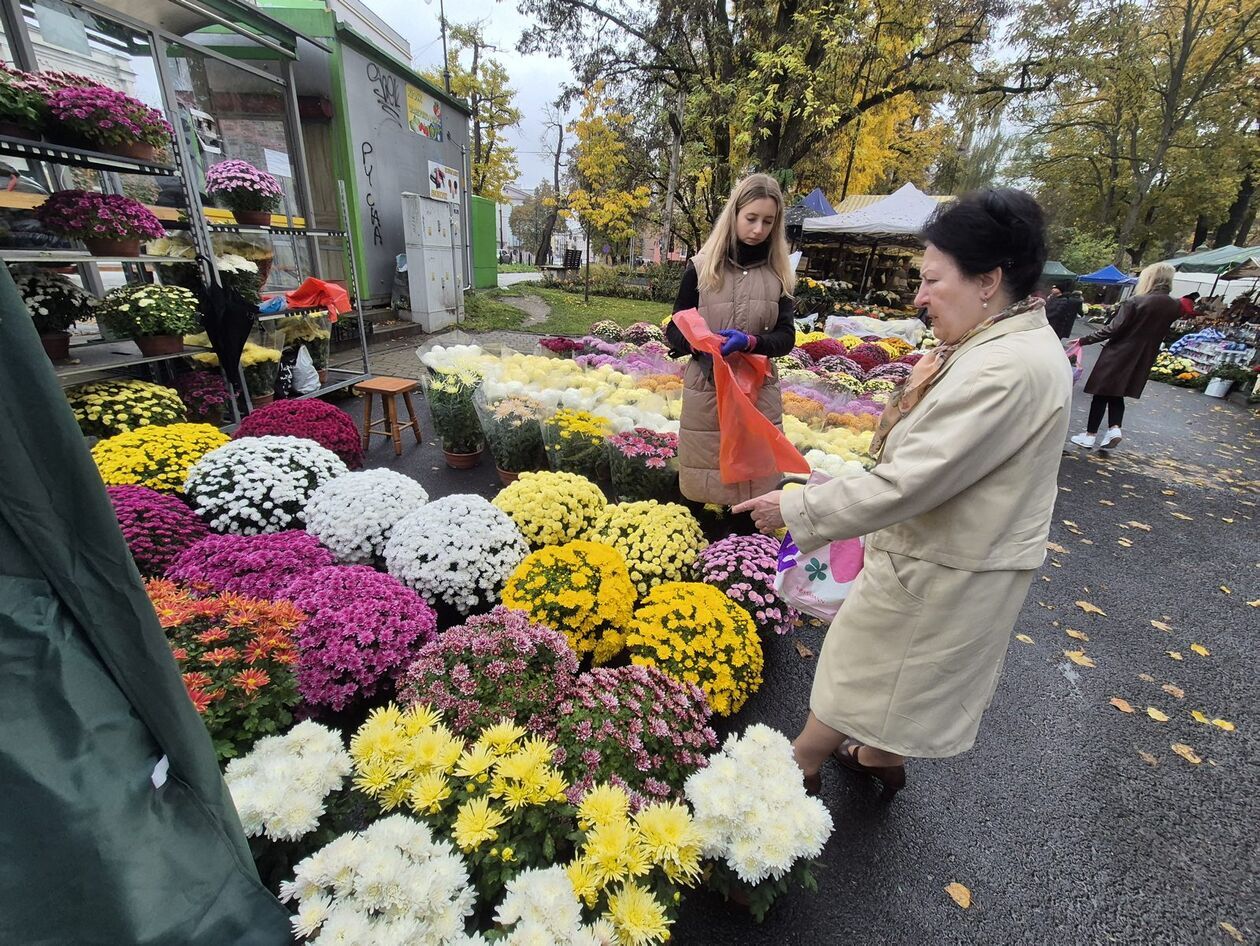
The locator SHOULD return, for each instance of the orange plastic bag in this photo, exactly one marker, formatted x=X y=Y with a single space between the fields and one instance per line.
x=316 y=292
x=752 y=448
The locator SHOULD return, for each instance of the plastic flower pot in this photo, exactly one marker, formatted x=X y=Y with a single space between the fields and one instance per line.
x=152 y=345
x=56 y=345
x=1219 y=387
x=98 y=246
x=253 y=218
x=462 y=461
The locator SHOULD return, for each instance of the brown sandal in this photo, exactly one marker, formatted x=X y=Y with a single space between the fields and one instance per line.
x=893 y=777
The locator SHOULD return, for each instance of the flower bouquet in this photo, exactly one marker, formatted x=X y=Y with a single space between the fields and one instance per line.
x=106 y=408
x=744 y=568
x=258 y=566
x=55 y=304
x=156 y=457
x=582 y=590
x=761 y=830
x=644 y=465
x=108 y=224
x=636 y=727
x=697 y=635
x=157 y=526
x=552 y=508
x=458 y=550
x=496 y=666
x=450 y=396
x=660 y=541
x=312 y=419
x=362 y=630
x=259 y=484
x=235 y=655
x=354 y=514
x=249 y=193
x=513 y=430
x=204 y=395
x=110 y=120
x=157 y=317
x=575 y=443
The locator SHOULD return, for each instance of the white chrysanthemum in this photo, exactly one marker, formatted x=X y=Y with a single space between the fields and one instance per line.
x=539 y=908
x=459 y=550
x=751 y=808
x=259 y=484
x=354 y=514
x=280 y=786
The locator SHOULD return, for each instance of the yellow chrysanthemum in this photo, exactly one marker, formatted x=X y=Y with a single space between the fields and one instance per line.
x=614 y=852
x=637 y=916
x=476 y=823
x=475 y=761
x=660 y=541
x=582 y=877
x=551 y=508
x=671 y=839
x=502 y=736
x=429 y=792
x=602 y=805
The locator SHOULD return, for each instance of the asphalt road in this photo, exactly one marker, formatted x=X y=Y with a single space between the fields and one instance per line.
x=1054 y=822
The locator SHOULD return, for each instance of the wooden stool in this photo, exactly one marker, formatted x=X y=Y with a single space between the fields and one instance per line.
x=388 y=426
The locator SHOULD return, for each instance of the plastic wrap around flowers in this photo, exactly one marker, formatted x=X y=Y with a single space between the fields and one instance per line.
x=354 y=514
x=582 y=590
x=495 y=666
x=106 y=408
x=328 y=426
x=744 y=567
x=660 y=541
x=362 y=630
x=697 y=635
x=636 y=727
x=260 y=484
x=157 y=457
x=259 y=566
x=458 y=550
x=643 y=465
x=157 y=526
x=552 y=508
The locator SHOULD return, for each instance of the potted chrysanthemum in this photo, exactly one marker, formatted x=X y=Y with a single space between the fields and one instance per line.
x=21 y=109
x=108 y=224
x=110 y=120
x=54 y=303
x=157 y=317
x=249 y=193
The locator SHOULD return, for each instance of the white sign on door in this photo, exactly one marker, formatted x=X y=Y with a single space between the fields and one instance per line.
x=277 y=163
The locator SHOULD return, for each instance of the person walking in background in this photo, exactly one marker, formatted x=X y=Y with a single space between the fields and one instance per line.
x=956 y=511
x=741 y=282
x=1062 y=311
x=1133 y=340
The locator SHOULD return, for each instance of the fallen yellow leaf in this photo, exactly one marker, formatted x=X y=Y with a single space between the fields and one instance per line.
x=1174 y=655
x=1070 y=524
x=1230 y=521
x=1105 y=502
x=1148 y=758
x=1024 y=638
x=1078 y=657
x=1186 y=753
x=1199 y=717
x=1232 y=930
x=1090 y=608
x=1140 y=525
x=1122 y=705
x=1156 y=715
x=1168 y=492
x=1160 y=626
x=1226 y=590
x=1172 y=690
x=1056 y=547
x=959 y=894
x=1087 y=541
x=1224 y=724
x=1254 y=604
x=1147 y=677
x=1182 y=515
x=804 y=652
x=1076 y=635
x=1200 y=650
x=1125 y=543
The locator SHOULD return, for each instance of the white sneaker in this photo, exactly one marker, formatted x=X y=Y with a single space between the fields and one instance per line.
x=1086 y=440
x=1111 y=438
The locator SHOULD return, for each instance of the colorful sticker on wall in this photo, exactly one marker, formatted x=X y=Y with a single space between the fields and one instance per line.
x=424 y=114
x=443 y=182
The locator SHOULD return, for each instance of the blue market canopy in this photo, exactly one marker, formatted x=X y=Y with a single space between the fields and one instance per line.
x=813 y=204
x=1109 y=276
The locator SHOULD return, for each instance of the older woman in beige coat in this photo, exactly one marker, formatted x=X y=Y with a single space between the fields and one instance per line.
x=956 y=512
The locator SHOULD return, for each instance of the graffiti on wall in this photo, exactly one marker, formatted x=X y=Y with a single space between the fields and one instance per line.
x=366 y=150
x=388 y=91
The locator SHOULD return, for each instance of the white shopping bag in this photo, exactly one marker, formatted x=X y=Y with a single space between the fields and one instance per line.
x=817 y=582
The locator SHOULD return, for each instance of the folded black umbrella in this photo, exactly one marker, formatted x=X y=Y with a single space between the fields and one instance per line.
x=228 y=318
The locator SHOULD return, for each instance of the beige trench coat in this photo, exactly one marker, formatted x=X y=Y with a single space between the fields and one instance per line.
x=956 y=515
x=748 y=300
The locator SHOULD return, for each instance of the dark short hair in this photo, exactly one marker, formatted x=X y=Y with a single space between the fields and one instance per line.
x=990 y=229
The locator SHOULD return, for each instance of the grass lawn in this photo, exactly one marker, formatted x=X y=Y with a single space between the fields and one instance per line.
x=517 y=268
x=569 y=314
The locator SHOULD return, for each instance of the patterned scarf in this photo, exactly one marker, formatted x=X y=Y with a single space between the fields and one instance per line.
x=928 y=370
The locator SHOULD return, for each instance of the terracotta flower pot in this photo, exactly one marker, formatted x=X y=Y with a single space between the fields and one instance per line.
x=506 y=478
x=14 y=130
x=98 y=246
x=253 y=218
x=151 y=345
x=462 y=461
x=139 y=150
x=56 y=345
x=260 y=400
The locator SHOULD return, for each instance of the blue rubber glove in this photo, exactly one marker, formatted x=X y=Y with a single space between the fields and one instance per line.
x=272 y=306
x=735 y=341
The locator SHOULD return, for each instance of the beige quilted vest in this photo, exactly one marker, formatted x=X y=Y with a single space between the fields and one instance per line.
x=749 y=301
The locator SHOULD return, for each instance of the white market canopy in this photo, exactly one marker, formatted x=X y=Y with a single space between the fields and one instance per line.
x=898 y=216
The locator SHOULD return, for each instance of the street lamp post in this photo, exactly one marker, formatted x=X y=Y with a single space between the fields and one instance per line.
x=446 y=59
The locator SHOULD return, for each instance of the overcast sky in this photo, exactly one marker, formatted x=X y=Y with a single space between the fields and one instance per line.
x=536 y=79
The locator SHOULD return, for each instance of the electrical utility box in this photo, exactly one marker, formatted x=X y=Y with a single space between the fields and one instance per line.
x=433 y=236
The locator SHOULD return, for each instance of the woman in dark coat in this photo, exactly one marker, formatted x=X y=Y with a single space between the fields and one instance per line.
x=1133 y=340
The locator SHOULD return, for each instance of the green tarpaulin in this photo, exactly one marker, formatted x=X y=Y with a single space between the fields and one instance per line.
x=1056 y=270
x=115 y=825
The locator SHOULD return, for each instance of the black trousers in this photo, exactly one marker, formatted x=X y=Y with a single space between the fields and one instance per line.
x=1114 y=408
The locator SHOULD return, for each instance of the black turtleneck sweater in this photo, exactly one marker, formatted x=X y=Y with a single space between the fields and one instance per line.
x=777 y=342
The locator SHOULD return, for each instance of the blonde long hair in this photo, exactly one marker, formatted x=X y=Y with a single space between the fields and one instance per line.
x=721 y=244
x=1158 y=277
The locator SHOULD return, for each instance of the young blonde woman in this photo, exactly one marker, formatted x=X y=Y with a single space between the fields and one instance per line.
x=741 y=282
